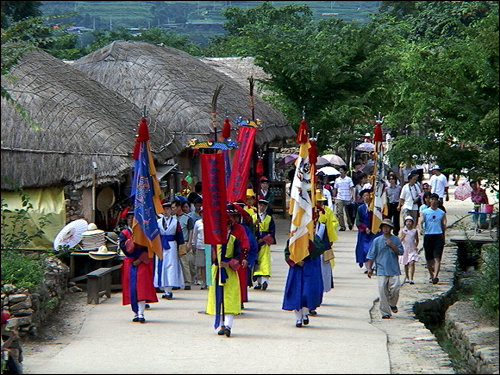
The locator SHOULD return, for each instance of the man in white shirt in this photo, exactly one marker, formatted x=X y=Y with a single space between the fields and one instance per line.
x=410 y=195
x=343 y=194
x=439 y=185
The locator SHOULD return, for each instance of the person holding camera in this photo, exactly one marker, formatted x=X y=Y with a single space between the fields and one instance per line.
x=409 y=200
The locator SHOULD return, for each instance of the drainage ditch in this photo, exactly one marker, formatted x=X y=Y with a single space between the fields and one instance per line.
x=432 y=312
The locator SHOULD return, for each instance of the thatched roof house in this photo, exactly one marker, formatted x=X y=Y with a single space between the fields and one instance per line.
x=177 y=89
x=81 y=121
x=239 y=69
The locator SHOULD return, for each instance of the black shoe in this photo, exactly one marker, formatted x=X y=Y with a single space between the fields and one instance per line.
x=258 y=286
x=168 y=295
x=222 y=330
x=386 y=316
x=350 y=227
x=227 y=331
x=136 y=319
x=435 y=280
x=147 y=306
x=298 y=324
x=264 y=285
x=313 y=312
x=342 y=229
x=141 y=319
x=176 y=288
x=242 y=306
x=187 y=287
x=394 y=309
x=306 y=320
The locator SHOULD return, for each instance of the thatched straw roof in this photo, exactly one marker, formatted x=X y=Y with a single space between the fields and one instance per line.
x=239 y=69
x=81 y=122
x=177 y=89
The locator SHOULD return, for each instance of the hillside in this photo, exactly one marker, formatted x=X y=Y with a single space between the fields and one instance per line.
x=201 y=18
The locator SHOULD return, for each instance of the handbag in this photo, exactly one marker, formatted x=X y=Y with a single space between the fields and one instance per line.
x=328 y=255
x=182 y=250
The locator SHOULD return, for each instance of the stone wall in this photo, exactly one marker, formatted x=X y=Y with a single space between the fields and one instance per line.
x=30 y=308
x=478 y=343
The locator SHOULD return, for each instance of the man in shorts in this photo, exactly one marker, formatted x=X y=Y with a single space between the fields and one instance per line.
x=434 y=225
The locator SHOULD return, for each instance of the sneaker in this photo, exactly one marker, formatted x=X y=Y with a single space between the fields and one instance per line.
x=394 y=309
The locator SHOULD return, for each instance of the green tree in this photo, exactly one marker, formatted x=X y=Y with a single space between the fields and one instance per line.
x=13 y=11
x=444 y=77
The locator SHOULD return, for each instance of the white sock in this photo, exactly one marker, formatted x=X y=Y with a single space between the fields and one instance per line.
x=305 y=311
x=142 y=307
x=167 y=289
x=228 y=320
x=265 y=279
x=298 y=315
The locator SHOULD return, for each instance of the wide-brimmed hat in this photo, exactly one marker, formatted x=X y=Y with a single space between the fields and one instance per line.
x=91 y=226
x=231 y=209
x=319 y=196
x=386 y=222
x=102 y=253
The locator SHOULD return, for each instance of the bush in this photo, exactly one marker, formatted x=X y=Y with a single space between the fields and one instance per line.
x=21 y=270
x=486 y=285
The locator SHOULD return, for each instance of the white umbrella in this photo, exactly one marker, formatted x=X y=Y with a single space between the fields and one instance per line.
x=71 y=234
x=366 y=146
x=329 y=171
x=334 y=159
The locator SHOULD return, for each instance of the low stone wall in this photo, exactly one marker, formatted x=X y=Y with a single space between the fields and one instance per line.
x=478 y=343
x=29 y=309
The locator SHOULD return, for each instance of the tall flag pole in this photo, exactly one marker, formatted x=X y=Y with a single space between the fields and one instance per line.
x=145 y=193
x=379 y=201
x=301 y=208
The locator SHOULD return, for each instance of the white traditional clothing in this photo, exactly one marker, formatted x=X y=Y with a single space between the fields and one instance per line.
x=168 y=271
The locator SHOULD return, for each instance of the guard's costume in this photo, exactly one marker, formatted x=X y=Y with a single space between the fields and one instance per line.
x=137 y=281
x=267 y=232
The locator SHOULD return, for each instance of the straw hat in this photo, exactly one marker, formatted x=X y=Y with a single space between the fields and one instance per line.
x=102 y=253
x=92 y=226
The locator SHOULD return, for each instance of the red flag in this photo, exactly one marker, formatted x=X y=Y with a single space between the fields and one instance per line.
x=238 y=179
x=214 y=198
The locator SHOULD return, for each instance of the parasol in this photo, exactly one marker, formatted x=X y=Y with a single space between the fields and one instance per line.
x=288 y=159
x=366 y=147
x=321 y=161
x=71 y=234
x=334 y=159
x=463 y=191
x=329 y=171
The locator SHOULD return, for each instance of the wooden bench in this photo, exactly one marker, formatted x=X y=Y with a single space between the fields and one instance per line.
x=99 y=283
